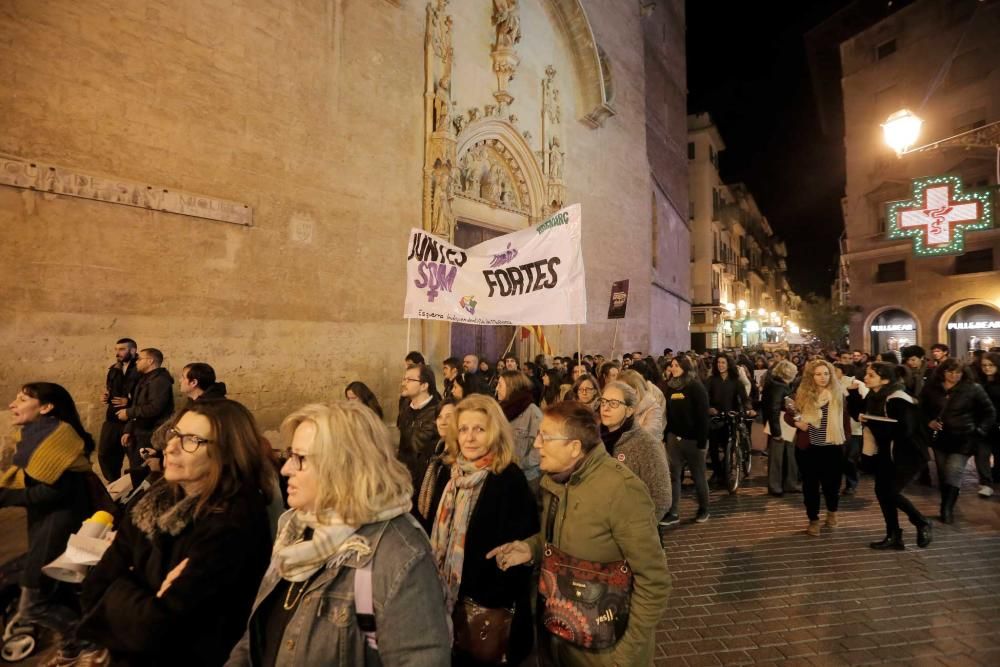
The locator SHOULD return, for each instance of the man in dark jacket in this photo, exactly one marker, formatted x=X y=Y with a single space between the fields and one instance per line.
x=119 y=386
x=417 y=430
x=152 y=404
x=475 y=383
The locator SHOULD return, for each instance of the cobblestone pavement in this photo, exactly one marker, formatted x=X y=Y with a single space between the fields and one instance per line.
x=751 y=588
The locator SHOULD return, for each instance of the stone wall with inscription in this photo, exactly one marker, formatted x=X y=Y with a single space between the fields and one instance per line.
x=312 y=116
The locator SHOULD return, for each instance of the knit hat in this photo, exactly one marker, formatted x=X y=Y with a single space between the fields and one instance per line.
x=912 y=351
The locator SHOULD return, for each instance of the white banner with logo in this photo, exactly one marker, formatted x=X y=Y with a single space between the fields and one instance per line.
x=532 y=276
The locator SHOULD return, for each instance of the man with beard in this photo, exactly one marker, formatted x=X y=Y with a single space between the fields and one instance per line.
x=119 y=386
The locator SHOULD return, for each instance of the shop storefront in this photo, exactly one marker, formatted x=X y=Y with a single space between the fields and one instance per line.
x=892 y=330
x=975 y=327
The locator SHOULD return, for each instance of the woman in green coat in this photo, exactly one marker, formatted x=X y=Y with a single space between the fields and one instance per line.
x=603 y=513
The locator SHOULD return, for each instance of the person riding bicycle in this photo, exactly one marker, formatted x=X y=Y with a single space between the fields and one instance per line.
x=726 y=393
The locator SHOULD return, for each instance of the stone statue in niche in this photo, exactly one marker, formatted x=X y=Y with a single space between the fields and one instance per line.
x=442 y=217
x=492 y=186
x=472 y=171
x=550 y=96
x=506 y=195
x=556 y=159
x=442 y=101
x=507 y=20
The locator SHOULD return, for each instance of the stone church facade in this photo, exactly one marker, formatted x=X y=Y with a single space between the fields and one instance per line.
x=233 y=181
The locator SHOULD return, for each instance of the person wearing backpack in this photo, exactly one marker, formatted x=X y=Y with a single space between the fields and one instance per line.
x=352 y=580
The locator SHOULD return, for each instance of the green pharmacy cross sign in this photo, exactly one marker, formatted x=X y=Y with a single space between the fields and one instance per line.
x=938 y=215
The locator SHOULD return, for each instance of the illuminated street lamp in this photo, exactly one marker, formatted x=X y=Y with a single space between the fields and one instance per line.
x=742 y=304
x=901 y=130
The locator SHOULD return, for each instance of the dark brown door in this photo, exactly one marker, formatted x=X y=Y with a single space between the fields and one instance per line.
x=487 y=342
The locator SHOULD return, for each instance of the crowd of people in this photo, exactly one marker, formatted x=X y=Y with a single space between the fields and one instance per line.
x=517 y=516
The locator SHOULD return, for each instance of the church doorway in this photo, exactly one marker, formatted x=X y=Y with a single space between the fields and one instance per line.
x=486 y=341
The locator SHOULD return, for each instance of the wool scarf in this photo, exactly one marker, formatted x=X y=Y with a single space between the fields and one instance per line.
x=45 y=449
x=333 y=541
x=611 y=438
x=835 y=415
x=452 y=523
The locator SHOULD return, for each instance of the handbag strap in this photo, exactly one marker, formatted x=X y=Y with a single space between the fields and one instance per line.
x=550 y=520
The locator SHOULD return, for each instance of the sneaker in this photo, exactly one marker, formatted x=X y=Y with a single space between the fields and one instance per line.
x=702 y=516
x=669 y=519
x=985 y=491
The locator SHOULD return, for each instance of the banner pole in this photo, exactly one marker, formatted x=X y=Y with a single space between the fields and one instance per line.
x=614 y=341
x=517 y=330
x=579 y=347
x=409 y=321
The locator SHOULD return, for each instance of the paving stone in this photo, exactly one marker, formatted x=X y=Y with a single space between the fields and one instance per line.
x=772 y=595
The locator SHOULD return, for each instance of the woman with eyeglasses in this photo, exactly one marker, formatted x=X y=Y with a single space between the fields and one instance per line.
x=959 y=414
x=176 y=585
x=627 y=441
x=585 y=391
x=351 y=579
x=487 y=502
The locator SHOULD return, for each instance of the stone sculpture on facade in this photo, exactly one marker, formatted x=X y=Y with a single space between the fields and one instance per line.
x=507 y=23
x=439 y=146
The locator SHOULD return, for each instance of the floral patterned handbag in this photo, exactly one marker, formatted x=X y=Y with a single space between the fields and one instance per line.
x=583 y=602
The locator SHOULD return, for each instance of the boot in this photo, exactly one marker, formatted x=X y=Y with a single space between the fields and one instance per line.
x=813 y=529
x=831 y=520
x=893 y=540
x=924 y=536
x=949 y=496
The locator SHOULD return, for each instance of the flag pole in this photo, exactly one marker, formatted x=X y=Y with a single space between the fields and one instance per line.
x=579 y=347
x=517 y=330
x=409 y=321
x=614 y=340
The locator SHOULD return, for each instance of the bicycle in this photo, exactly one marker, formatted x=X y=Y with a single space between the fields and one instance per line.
x=737 y=454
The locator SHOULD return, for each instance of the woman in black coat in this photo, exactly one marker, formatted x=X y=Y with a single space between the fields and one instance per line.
x=901 y=447
x=686 y=434
x=725 y=394
x=959 y=415
x=176 y=585
x=48 y=478
x=487 y=503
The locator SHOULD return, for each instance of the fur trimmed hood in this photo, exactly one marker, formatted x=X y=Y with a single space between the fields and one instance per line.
x=159 y=511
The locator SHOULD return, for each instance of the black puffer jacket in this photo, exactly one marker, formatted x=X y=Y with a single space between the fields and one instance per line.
x=772 y=404
x=966 y=413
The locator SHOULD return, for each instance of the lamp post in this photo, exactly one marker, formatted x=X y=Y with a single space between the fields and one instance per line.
x=901 y=130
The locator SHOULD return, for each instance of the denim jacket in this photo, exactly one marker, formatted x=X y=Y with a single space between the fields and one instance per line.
x=412 y=629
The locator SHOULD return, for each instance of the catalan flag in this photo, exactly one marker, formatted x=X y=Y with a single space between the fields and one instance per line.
x=540 y=335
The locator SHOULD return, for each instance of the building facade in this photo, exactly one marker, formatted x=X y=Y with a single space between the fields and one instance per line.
x=909 y=60
x=235 y=182
x=740 y=295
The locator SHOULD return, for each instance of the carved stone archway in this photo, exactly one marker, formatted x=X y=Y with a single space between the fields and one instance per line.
x=494 y=145
x=593 y=76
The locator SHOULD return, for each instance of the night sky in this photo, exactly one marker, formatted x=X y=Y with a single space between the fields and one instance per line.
x=748 y=67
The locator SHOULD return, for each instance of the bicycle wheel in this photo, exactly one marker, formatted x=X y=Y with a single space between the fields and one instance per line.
x=734 y=464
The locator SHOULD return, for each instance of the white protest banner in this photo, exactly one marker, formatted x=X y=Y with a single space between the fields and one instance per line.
x=532 y=276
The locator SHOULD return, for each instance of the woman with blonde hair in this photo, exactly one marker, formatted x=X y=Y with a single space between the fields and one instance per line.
x=351 y=573
x=823 y=424
x=486 y=503
x=648 y=413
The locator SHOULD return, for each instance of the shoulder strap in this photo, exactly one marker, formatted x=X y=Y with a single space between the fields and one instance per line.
x=364 y=603
x=550 y=520
x=364 y=596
